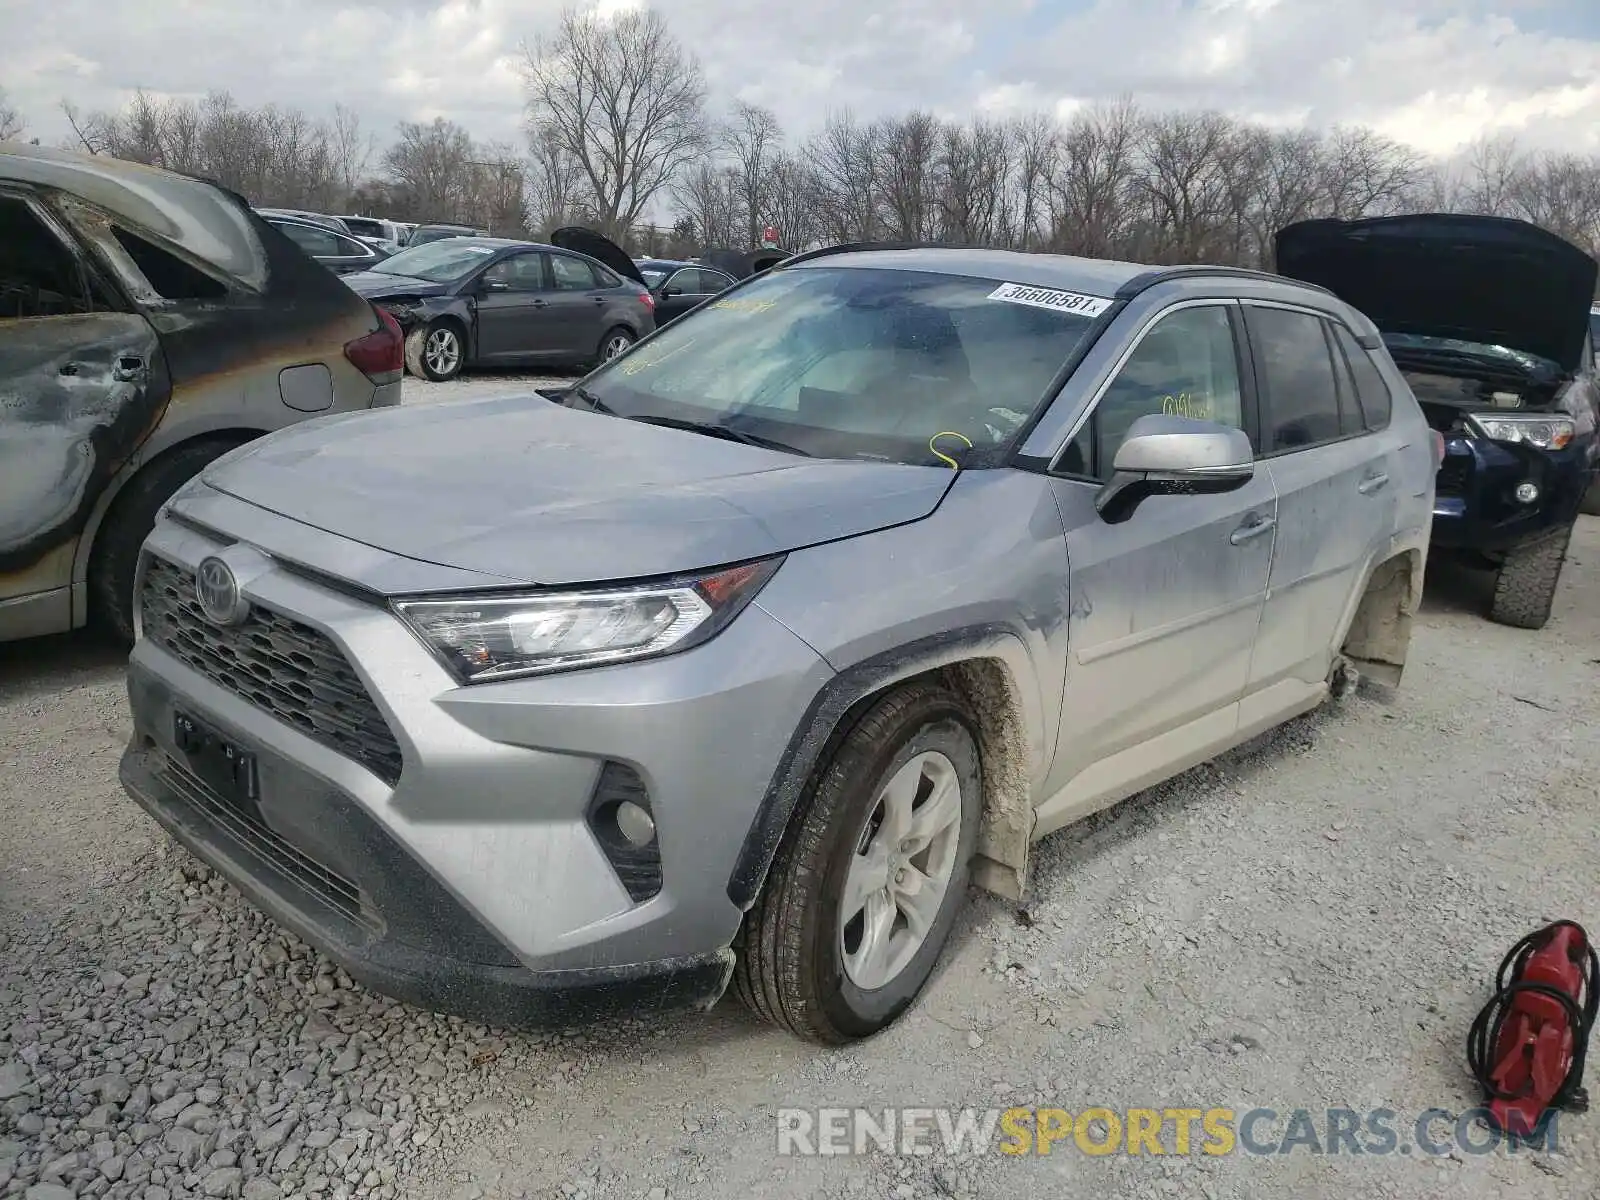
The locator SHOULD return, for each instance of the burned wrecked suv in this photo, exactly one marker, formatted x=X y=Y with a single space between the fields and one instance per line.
x=149 y=323
x=1489 y=321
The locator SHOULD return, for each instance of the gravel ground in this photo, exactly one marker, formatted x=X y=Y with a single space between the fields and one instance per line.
x=1310 y=923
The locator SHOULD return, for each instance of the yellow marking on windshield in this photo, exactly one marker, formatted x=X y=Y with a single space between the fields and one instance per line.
x=741 y=304
x=633 y=364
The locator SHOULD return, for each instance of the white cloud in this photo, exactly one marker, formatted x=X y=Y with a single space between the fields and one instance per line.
x=1436 y=73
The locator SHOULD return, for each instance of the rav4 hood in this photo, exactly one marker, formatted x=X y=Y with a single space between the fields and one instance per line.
x=1490 y=280
x=537 y=493
x=596 y=245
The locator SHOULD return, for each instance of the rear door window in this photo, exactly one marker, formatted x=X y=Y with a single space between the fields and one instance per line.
x=168 y=275
x=571 y=274
x=39 y=275
x=1300 y=393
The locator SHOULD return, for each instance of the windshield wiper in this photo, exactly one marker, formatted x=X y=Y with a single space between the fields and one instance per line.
x=594 y=402
x=710 y=429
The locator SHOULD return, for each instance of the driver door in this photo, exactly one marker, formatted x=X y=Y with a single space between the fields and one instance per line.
x=1165 y=605
x=513 y=303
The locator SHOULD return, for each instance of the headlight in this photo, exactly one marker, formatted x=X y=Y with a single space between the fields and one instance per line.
x=1547 y=433
x=483 y=638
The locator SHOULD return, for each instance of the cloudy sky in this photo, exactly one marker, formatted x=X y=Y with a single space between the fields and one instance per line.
x=1434 y=73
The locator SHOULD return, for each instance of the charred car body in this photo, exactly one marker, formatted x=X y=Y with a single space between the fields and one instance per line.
x=149 y=323
x=493 y=301
x=1489 y=319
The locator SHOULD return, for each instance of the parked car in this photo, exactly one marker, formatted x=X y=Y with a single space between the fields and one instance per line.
x=679 y=286
x=341 y=253
x=300 y=214
x=423 y=234
x=375 y=231
x=1489 y=320
x=492 y=301
x=148 y=325
x=739 y=661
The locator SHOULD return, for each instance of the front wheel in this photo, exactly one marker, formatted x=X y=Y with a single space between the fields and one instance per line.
x=435 y=352
x=1525 y=588
x=870 y=875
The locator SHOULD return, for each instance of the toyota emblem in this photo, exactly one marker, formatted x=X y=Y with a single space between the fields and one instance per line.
x=216 y=590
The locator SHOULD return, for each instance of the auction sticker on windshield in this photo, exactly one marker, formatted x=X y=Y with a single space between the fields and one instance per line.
x=1051 y=298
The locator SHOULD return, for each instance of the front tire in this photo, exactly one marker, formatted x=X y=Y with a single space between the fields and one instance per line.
x=869 y=877
x=436 y=352
x=1525 y=588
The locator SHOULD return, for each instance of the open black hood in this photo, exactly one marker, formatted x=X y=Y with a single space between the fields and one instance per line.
x=596 y=245
x=1490 y=280
x=742 y=264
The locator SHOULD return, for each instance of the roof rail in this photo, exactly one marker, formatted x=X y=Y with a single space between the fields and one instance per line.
x=1141 y=283
x=853 y=247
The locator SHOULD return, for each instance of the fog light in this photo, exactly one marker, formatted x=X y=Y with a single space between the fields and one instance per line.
x=1527 y=493
x=635 y=824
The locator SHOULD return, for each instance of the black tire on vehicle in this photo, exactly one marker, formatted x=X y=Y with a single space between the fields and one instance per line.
x=1525 y=587
x=1591 y=498
x=115 y=555
x=436 y=352
x=616 y=341
x=791 y=951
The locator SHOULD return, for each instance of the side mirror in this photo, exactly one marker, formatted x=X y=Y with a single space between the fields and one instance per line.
x=668 y=292
x=1174 y=456
x=485 y=286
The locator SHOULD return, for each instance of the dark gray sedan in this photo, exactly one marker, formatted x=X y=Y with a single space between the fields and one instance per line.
x=497 y=302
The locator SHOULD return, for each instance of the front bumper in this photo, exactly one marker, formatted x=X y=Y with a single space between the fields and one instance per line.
x=464 y=875
x=1475 y=507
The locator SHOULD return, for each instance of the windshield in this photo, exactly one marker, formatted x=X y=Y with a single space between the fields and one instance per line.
x=422 y=236
x=1530 y=363
x=852 y=363
x=437 y=262
x=364 y=226
x=652 y=275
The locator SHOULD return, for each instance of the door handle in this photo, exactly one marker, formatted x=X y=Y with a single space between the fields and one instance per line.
x=537 y=303
x=599 y=299
x=1252 y=530
x=1372 y=483
x=69 y=368
x=129 y=367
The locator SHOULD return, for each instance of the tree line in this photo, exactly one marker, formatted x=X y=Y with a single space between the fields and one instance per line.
x=619 y=128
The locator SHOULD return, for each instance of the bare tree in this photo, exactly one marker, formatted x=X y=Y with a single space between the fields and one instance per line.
x=753 y=139
x=350 y=147
x=11 y=123
x=1035 y=141
x=429 y=162
x=847 y=178
x=556 y=195
x=1092 y=181
x=711 y=199
x=974 y=166
x=624 y=99
x=905 y=153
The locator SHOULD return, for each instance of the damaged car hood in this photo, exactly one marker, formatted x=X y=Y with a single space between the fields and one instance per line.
x=375 y=285
x=1489 y=280
x=536 y=493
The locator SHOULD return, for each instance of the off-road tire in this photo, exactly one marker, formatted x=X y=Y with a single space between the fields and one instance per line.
x=1525 y=588
x=1591 y=499
x=417 y=364
x=788 y=967
x=115 y=556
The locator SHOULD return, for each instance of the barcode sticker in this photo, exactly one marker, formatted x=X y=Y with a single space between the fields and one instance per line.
x=1051 y=298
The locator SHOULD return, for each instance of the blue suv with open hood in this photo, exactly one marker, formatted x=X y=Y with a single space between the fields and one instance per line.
x=1490 y=321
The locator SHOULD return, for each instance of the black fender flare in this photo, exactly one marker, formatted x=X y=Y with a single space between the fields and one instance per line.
x=832 y=714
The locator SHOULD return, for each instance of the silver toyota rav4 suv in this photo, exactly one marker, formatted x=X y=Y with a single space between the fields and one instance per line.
x=738 y=660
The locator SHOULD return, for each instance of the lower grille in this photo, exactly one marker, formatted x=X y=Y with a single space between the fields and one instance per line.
x=1455 y=475
x=280 y=665
x=332 y=889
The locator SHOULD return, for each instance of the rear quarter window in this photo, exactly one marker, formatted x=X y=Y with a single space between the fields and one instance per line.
x=1373 y=393
x=168 y=275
